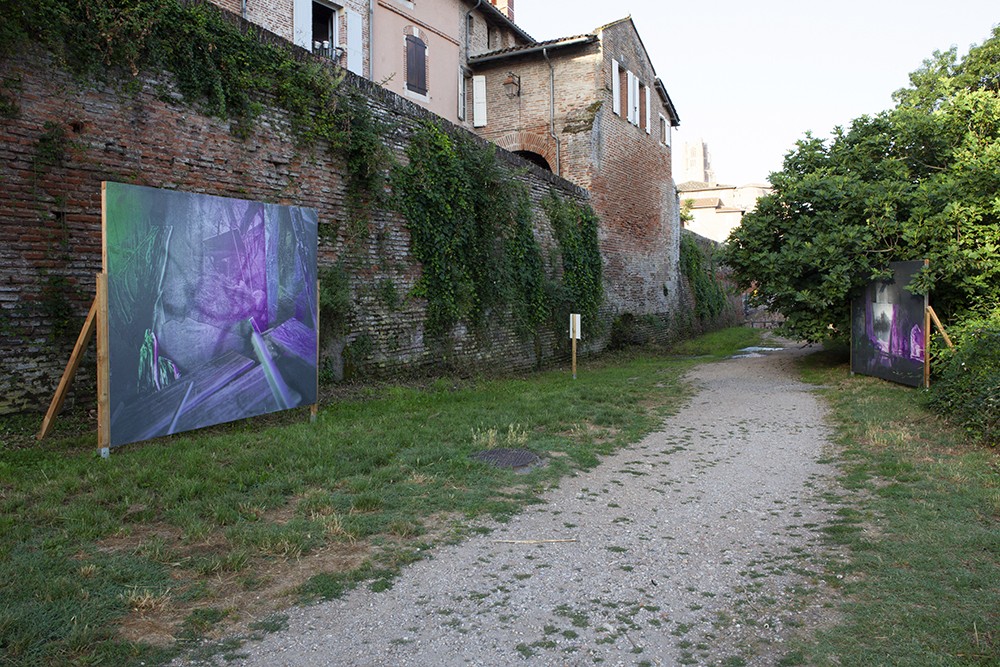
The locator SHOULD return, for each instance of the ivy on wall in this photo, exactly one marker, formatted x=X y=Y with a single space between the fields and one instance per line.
x=470 y=219
x=575 y=226
x=222 y=68
x=709 y=296
x=471 y=229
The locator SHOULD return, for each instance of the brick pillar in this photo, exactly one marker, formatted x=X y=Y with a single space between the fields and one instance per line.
x=506 y=6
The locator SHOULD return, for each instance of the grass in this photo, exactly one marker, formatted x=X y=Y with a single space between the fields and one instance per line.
x=133 y=559
x=921 y=525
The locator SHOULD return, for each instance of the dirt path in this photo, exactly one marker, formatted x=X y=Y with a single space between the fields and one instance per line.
x=695 y=546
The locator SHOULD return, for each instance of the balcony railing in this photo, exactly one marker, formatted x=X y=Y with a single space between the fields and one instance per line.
x=325 y=50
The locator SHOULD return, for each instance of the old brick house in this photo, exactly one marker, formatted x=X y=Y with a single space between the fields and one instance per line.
x=591 y=109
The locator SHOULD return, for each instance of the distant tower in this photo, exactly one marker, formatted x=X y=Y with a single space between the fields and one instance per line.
x=696 y=163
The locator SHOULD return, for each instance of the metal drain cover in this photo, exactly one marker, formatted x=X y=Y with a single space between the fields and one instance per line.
x=515 y=459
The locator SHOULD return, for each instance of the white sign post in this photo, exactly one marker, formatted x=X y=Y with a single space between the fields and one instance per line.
x=574 y=335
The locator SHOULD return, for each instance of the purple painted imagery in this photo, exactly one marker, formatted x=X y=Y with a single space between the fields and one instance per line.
x=212 y=309
x=887 y=336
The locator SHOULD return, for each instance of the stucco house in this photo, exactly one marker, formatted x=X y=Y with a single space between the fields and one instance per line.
x=415 y=48
x=717 y=209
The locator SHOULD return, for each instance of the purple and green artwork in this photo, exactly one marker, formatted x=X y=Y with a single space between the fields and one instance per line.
x=212 y=309
x=887 y=328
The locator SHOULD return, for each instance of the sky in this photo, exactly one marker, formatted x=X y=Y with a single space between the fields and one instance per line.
x=751 y=78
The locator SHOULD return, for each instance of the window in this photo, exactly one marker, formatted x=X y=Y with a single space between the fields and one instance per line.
x=325 y=31
x=643 y=107
x=463 y=92
x=665 y=130
x=416 y=65
x=616 y=88
x=479 y=101
x=632 y=99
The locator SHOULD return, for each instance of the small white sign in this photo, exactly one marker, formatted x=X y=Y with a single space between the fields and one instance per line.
x=574 y=326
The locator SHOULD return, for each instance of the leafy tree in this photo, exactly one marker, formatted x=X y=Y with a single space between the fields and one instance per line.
x=918 y=181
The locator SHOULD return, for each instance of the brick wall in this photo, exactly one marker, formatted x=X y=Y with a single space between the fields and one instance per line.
x=633 y=189
x=626 y=169
x=68 y=137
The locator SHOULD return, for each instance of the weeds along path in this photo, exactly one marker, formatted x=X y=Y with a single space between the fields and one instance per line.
x=699 y=545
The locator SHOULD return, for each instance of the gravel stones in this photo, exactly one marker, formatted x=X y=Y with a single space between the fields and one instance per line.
x=700 y=544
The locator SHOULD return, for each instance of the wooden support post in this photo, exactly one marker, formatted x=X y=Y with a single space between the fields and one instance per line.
x=86 y=333
x=103 y=369
x=314 y=409
x=927 y=347
x=574 y=335
x=940 y=327
x=574 y=358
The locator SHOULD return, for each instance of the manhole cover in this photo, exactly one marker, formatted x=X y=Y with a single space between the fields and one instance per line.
x=515 y=459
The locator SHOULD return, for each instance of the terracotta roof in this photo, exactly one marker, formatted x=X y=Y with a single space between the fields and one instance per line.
x=691 y=186
x=707 y=202
x=511 y=51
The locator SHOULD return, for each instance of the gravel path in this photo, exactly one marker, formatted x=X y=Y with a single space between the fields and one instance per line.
x=698 y=545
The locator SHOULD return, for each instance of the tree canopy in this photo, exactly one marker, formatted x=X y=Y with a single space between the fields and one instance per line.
x=919 y=181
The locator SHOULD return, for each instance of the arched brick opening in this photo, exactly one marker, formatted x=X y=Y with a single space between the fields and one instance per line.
x=528 y=142
x=536 y=158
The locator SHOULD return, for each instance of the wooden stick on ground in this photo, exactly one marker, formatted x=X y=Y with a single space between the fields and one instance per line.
x=533 y=541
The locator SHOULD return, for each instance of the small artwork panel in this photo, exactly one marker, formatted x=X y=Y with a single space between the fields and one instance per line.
x=887 y=328
x=212 y=309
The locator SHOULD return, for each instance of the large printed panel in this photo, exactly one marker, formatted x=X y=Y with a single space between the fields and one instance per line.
x=887 y=333
x=212 y=309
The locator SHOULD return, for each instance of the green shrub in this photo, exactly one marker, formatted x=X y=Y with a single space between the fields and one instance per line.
x=967 y=389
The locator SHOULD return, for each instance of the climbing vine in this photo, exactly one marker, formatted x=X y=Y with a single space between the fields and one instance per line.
x=471 y=229
x=575 y=226
x=709 y=296
x=367 y=158
x=222 y=68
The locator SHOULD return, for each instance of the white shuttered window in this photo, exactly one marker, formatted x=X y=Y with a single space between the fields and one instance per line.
x=302 y=23
x=355 y=47
x=633 y=96
x=649 y=110
x=616 y=89
x=479 y=101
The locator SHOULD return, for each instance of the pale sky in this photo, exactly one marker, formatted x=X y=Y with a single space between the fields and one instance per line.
x=750 y=78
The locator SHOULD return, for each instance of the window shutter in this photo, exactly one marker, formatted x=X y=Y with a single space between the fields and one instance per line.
x=355 y=48
x=416 y=65
x=462 y=86
x=635 y=100
x=479 y=101
x=632 y=97
x=302 y=23
x=649 y=128
x=616 y=89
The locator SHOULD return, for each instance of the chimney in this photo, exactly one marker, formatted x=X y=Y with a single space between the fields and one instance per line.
x=505 y=6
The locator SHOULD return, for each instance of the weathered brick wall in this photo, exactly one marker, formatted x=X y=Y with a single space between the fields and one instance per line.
x=524 y=122
x=273 y=15
x=69 y=137
x=633 y=190
x=626 y=169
